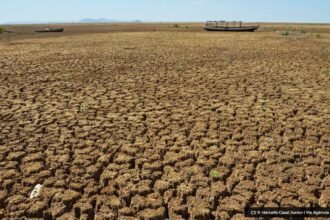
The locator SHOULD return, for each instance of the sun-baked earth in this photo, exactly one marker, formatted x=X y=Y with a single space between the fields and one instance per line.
x=158 y=125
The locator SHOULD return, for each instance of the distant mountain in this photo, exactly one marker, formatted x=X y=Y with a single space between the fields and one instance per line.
x=97 y=20
x=137 y=21
x=85 y=20
x=104 y=20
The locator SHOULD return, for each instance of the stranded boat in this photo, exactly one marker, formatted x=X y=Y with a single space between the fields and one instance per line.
x=228 y=26
x=50 y=30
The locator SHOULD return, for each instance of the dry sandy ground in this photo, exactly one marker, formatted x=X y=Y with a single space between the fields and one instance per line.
x=27 y=31
x=156 y=125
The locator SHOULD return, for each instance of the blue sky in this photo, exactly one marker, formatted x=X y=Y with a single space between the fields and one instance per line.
x=166 y=10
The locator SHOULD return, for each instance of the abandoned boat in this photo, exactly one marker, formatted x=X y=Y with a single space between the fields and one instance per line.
x=50 y=30
x=228 y=26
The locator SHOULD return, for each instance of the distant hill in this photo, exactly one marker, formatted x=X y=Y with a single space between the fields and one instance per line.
x=103 y=20
x=97 y=20
x=85 y=20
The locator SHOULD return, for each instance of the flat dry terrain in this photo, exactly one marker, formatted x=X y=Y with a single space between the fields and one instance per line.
x=164 y=124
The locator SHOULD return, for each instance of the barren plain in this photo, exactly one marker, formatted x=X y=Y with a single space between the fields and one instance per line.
x=163 y=124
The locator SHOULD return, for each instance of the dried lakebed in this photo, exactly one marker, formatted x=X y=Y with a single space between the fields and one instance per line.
x=163 y=125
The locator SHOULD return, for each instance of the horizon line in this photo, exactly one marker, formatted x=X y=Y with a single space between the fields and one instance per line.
x=137 y=21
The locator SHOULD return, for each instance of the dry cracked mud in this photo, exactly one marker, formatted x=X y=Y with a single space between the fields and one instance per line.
x=163 y=125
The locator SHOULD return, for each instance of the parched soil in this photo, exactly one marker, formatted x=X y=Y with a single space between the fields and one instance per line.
x=158 y=125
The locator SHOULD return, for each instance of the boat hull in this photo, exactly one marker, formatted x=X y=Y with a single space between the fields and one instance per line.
x=50 y=30
x=234 y=29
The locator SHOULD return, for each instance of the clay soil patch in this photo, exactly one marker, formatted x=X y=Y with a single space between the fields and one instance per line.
x=156 y=125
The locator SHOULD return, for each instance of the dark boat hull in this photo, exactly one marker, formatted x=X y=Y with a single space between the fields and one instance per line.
x=50 y=30
x=235 y=29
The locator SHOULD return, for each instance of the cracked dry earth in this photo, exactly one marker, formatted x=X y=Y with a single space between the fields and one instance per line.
x=163 y=125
